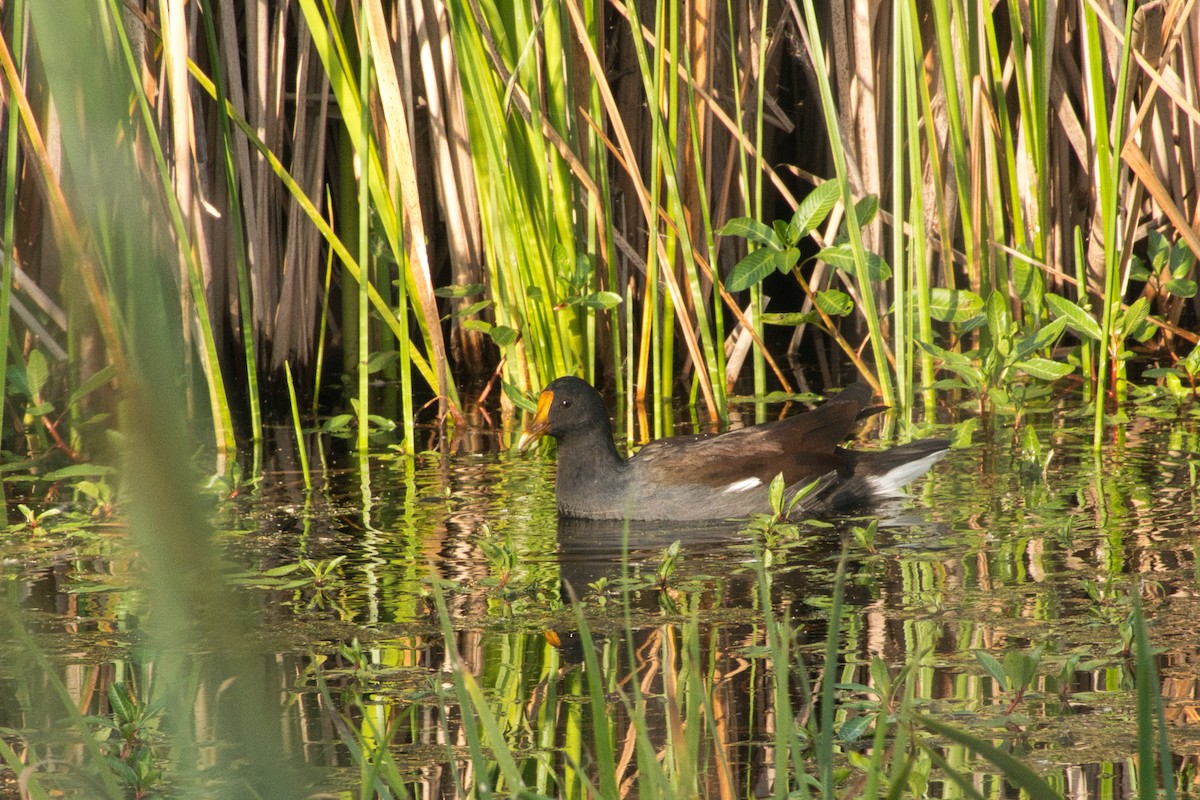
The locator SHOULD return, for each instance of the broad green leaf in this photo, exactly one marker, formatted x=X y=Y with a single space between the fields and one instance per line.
x=519 y=399
x=877 y=268
x=784 y=233
x=472 y=309
x=948 y=357
x=123 y=706
x=1138 y=270
x=833 y=302
x=478 y=325
x=1158 y=249
x=37 y=372
x=584 y=267
x=992 y=667
x=839 y=256
x=998 y=316
x=1182 y=260
x=784 y=261
x=775 y=493
x=80 y=471
x=1181 y=287
x=598 y=301
x=1022 y=667
x=455 y=291
x=337 y=422
x=866 y=209
x=751 y=230
x=1134 y=317
x=561 y=258
x=791 y=318
x=1031 y=445
x=1078 y=320
x=954 y=305
x=1043 y=338
x=97 y=379
x=1045 y=369
x=381 y=359
x=751 y=270
x=813 y=209
x=503 y=335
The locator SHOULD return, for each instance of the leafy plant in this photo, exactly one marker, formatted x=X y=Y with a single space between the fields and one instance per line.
x=989 y=370
x=1014 y=675
x=131 y=729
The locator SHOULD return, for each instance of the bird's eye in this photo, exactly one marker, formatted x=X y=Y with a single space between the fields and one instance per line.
x=564 y=403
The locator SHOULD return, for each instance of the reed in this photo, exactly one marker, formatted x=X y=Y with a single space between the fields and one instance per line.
x=581 y=203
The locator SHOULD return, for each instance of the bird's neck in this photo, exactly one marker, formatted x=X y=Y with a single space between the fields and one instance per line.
x=592 y=479
x=590 y=452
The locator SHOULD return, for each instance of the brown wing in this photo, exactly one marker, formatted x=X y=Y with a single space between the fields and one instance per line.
x=802 y=447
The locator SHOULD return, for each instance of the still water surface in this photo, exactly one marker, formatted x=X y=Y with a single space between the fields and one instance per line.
x=992 y=553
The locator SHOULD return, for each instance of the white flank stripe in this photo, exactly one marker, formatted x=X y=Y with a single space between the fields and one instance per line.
x=742 y=485
x=890 y=483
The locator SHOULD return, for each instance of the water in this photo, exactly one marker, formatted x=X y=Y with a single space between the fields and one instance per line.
x=991 y=554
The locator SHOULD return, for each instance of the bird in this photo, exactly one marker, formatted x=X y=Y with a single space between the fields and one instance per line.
x=719 y=476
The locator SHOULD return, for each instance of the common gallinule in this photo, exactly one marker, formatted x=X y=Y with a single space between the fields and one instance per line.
x=718 y=476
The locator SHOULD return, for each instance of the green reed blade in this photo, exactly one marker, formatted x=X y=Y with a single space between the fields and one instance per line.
x=210 y=358
x=239 y=234
x=364 y=145
x=866 y=290
x=19 y=32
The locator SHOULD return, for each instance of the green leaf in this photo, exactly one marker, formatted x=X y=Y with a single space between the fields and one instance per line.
x=1031 y=445
x=1159 y=250
x=776 y=494
x=337 y=422
x=1047 y=335
x=503 y=335
x=751 y=270
x=519 y=399
x=992 y=667
x=998 y=316
x=954 y=305
x=785 y=260
x=455 y=291
x=479 y=325
x=1045 y=369
x=598 y=301
x=1138 y=270
x=97 y=379
x=866 y=209
x=1022 y=668
x=813 y=209
x=792 y=318
x=1182 y=261
x=751 y=230
x=381 y=359
x=839 y=256
x=877 y=268
x=1134 y=317
x=833 y=302
x=561 y=258
x=472 y=309
x=783 y=232
x=1181 y=287
x=80 y=471
x=1078 y=319
x=37 y=372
